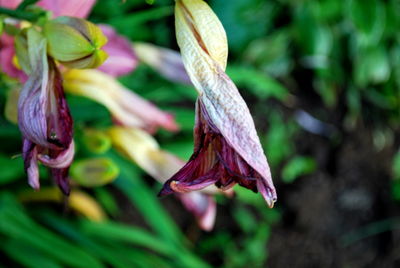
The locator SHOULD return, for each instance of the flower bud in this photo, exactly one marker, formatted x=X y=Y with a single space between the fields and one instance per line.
x=75 y=42
x=94 y=172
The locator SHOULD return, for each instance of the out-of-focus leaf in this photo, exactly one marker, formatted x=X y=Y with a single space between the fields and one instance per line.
x=96 y=141
x=94 y=172
x=77 y=200
x=396 y=166
x=27 y=255
x=372 y=65
x=107 y=200
x=16 y=224
x=298 y=166
x=12 y=169
x=261 y=85
x=271 y=53
x=368 y=17
x=278 y=142
x=131 y=234
x=244 y=20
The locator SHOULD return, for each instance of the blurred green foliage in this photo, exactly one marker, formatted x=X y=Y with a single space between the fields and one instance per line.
x=344 y=54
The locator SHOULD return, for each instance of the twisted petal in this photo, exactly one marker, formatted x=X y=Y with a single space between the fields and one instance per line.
x=227 y=148
x=121 y=58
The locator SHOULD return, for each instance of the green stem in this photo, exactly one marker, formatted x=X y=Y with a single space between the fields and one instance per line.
x=20 y=14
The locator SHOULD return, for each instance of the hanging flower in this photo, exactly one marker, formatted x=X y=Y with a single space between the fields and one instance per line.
x=227 y=149
x=44 y=118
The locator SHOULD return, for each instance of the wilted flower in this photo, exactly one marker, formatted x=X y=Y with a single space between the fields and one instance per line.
x=143 y=149
x=44 y=118
x=227 y=149
x=166 y=61
x=127 y=108
x=75 y=42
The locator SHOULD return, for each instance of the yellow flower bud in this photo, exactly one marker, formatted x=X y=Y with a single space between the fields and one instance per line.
x=75 y=42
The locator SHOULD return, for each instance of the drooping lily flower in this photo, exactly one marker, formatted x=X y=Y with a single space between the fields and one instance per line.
x=127 y=108
x=143 y=149
x=165 y=61
x=227 y=149
x=44 y=118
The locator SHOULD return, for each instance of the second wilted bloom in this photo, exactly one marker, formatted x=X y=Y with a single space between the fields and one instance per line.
x=227 y=149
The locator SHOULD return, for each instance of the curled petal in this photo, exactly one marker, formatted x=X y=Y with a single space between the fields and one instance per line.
x=62 y=160
x=75 y=8
x=166 y=61
x=29 y=154
x=128 y=108
x=121 y=57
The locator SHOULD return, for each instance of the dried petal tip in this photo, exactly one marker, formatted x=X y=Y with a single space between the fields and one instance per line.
x=75 y=42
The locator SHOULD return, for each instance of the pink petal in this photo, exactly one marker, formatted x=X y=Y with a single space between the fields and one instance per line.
x=121 y=57
x=202 y=206
x=7 y=52
x=62 y=160
x=10 y=3
x=74 y=8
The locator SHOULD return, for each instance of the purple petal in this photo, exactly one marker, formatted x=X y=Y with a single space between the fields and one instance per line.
x=121 y=57
x=60 y=176
x=29 y=154
x=74 y=8
x=62 y=160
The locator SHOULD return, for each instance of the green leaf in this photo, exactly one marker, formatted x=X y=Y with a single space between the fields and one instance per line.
x=12 y=169
x=260 y=84
x=298 y=166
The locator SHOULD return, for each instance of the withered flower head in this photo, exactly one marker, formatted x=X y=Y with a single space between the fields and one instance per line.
x=43 y=116
x=227 y=149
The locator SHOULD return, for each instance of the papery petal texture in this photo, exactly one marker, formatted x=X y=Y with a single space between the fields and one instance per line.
x=227 y=147
x=121 y=57
x=127 y=108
